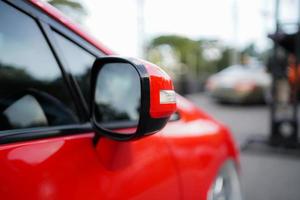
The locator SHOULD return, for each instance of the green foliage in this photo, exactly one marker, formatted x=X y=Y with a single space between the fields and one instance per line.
x=225 y=59
x=200 y=57
x=182 y=45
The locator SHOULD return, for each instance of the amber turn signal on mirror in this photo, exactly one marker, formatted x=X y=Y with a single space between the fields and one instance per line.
x=131 y=98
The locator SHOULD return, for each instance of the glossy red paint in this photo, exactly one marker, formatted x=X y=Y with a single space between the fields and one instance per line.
x=159 y=81
x=72 y=168
x=211 y=145
x=179 y=162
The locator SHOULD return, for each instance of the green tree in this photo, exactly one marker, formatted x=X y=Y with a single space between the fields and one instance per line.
x=225 y=59
x=188 y=51
x=200 y=57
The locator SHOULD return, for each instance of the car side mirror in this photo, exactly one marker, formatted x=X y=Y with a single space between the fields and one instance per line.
x=130 y=98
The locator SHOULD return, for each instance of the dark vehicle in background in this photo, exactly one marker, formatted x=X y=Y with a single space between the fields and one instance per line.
x=240 y=84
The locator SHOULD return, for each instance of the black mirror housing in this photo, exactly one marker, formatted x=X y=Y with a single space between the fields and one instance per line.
x=130 y=98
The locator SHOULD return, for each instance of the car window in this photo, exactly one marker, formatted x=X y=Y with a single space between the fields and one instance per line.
x=79 y=62
x=32 y=90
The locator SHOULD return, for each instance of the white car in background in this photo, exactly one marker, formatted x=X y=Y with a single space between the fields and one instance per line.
x=240 y=84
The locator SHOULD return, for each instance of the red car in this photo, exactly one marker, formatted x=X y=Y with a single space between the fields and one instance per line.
x=79 y=123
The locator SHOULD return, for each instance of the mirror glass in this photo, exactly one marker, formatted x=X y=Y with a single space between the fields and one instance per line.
x=118 y=98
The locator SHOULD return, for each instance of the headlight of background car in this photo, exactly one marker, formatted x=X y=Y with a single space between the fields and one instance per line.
x=226 y=185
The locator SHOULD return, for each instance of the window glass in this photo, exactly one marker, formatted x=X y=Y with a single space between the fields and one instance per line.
x=17 y=115
x=32 y=89
x=79 y=62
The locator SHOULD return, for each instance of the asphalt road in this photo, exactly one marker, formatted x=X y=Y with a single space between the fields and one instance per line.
x=266 y=174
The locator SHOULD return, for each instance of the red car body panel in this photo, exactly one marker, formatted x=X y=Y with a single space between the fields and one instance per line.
x=200 y=145
x=73 y=168
x=179 y=162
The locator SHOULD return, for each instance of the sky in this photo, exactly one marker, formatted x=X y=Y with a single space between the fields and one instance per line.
x=115 y=22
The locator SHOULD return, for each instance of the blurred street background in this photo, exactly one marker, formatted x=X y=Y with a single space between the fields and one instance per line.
x=236 y=59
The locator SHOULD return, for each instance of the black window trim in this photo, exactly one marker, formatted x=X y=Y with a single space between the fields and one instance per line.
x=68 y=34
x=78 y=99
x=53 y=26
x=76 y=39
x=67 y=68
x=17 y=135
x=26 y=134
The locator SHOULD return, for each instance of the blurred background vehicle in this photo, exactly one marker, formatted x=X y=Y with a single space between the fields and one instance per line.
x=248 y=83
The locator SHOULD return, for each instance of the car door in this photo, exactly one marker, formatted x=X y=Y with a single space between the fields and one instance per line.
x=48 y=149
